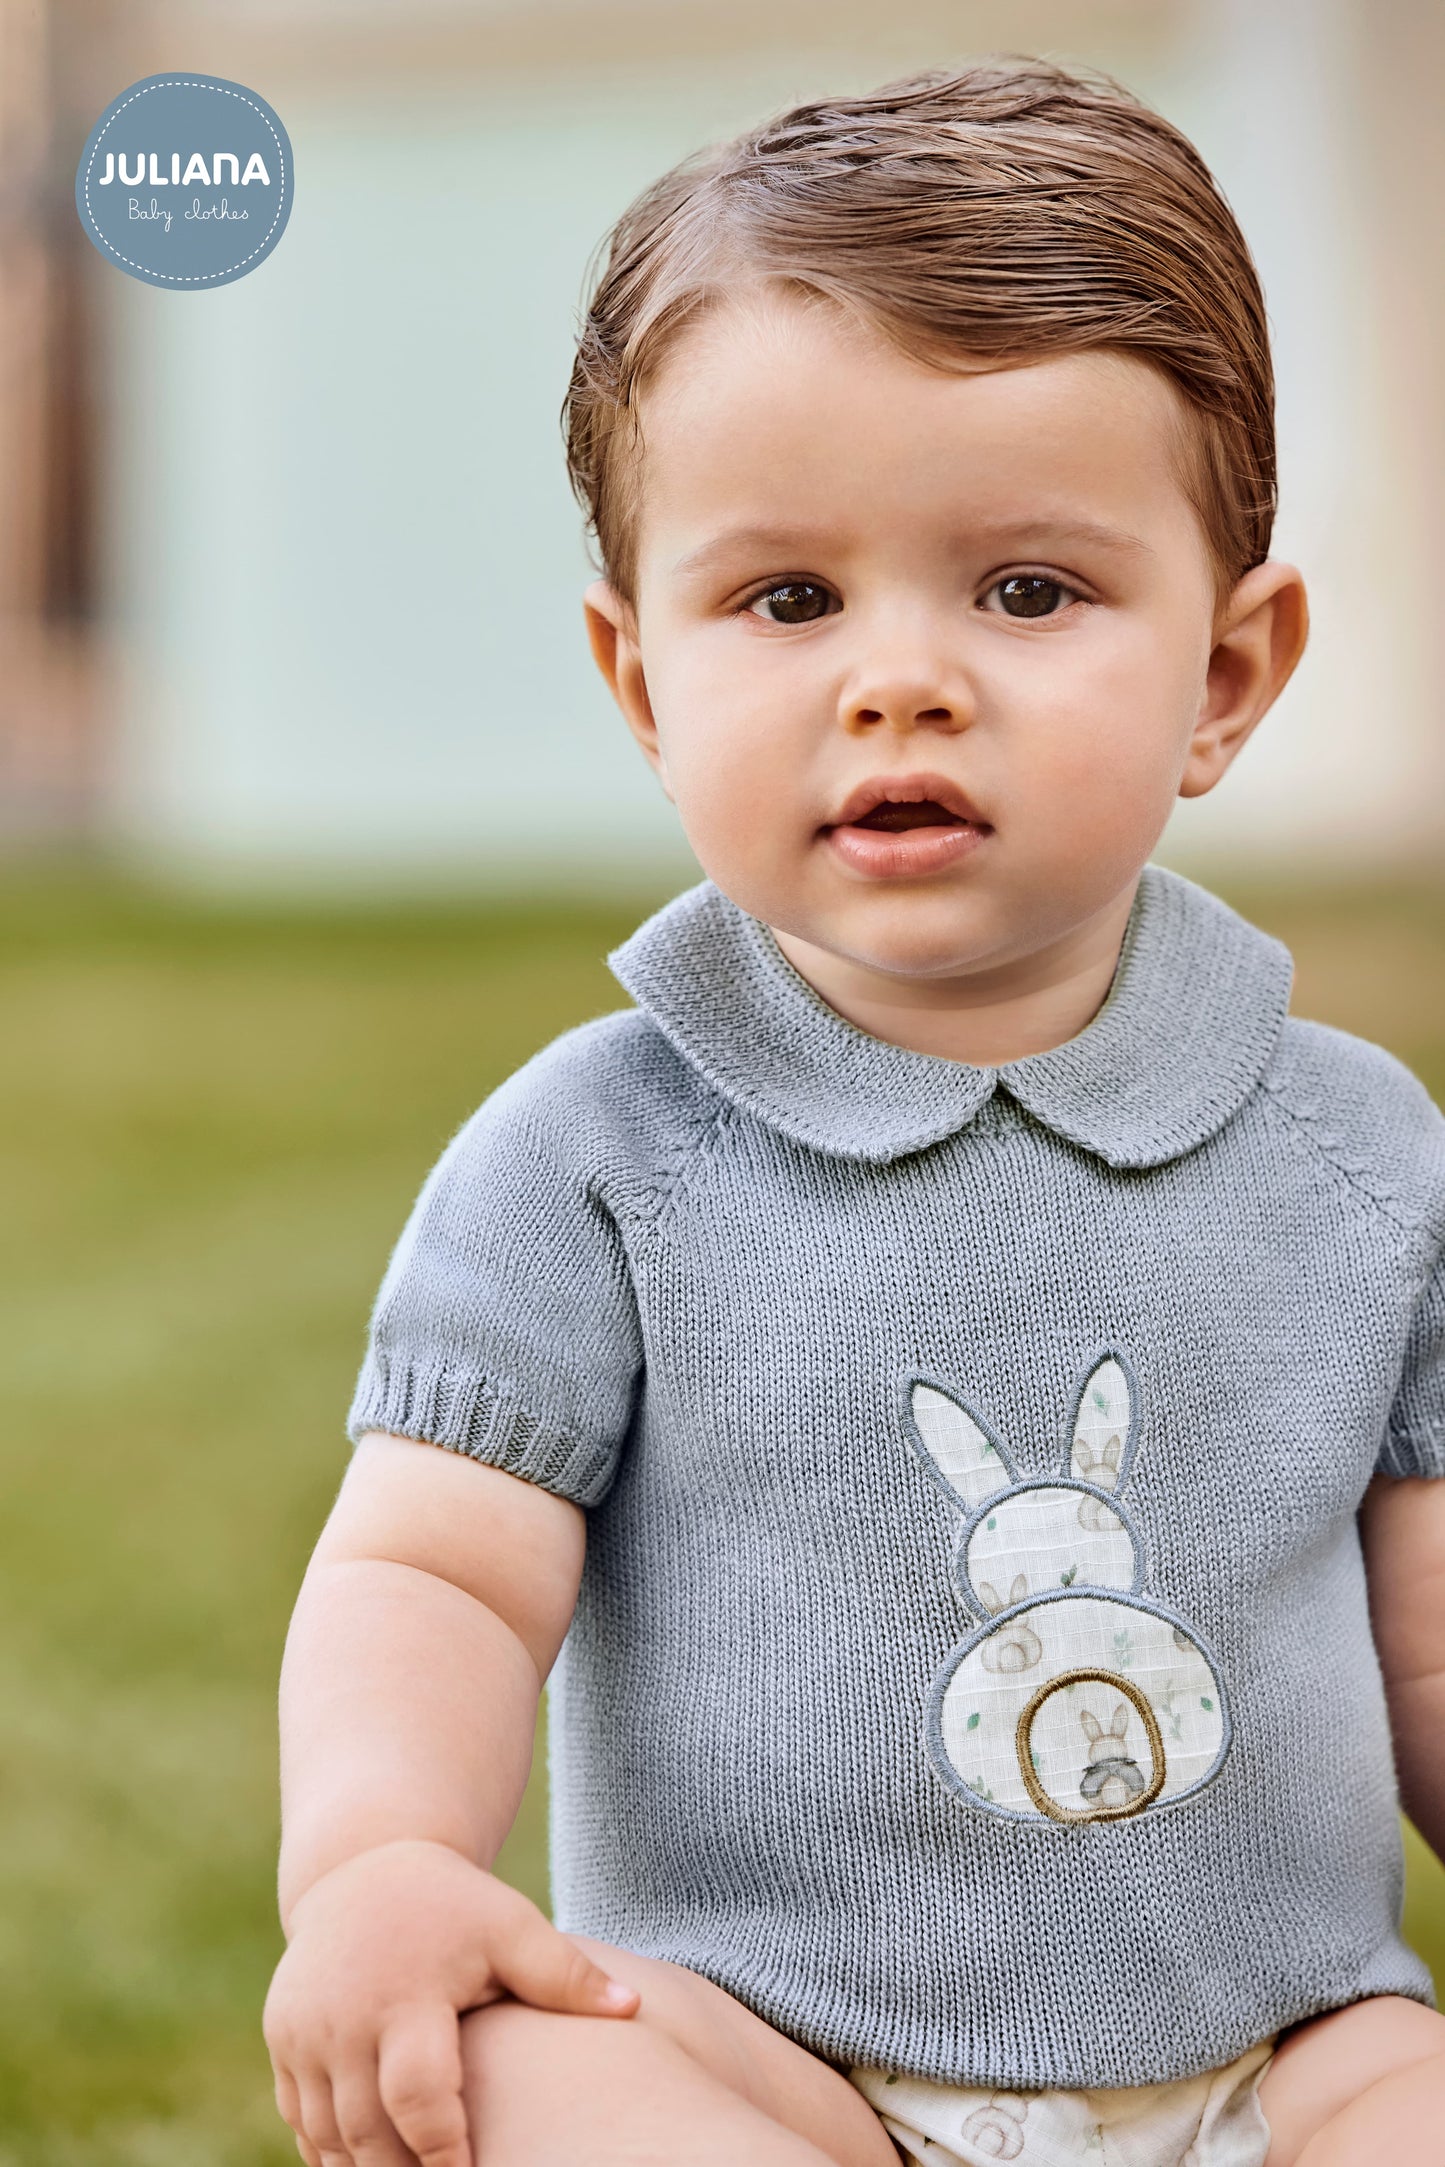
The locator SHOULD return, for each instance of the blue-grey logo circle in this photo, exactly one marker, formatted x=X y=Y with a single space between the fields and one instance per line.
x=186 y=180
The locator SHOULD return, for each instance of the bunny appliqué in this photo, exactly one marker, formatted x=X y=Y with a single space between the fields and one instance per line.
x=1077 y=1697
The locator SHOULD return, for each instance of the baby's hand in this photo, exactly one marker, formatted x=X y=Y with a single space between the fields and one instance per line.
x=386 y=1951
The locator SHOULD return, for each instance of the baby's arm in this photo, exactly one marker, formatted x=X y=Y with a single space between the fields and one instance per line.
x=1403 y=1525
x=433 y=1609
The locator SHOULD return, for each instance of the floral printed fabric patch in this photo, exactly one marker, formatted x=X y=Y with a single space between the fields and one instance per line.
x=1077 y=1698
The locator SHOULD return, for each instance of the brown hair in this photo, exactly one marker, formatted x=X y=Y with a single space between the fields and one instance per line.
x=1010 y=211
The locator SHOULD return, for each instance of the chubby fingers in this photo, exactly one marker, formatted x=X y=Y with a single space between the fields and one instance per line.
x=317 y=2138
x=288 y=2106
x=547 y=1970
x=339 y=2120
x=368 y=2135
x=420 y=2082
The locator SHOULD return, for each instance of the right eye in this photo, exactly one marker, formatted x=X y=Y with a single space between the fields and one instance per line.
x=792 y=602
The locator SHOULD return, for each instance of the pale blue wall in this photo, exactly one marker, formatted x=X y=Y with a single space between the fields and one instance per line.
x=347 y=561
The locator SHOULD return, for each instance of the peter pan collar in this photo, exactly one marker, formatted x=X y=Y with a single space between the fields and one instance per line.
x=1197 y=1003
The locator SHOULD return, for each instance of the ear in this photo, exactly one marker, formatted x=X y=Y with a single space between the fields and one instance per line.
x=1093 y=1729
x=1119 y=1728
x=1259 y=636
x=955 y=1448
x=1103 y=1415
x=989 y=1596
x=1019 y=1589
x=613 y=637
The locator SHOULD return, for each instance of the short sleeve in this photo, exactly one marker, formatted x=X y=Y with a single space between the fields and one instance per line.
x=1415 y=1439
x=506 y=1326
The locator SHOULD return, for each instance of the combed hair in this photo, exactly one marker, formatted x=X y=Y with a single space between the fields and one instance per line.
x=1009 y=211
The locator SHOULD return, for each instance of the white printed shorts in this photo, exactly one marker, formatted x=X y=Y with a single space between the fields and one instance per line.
x=1212 y=2120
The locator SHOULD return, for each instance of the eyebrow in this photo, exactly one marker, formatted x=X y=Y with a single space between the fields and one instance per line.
x=1068 y=530
x=787 y=541
x=783 y=539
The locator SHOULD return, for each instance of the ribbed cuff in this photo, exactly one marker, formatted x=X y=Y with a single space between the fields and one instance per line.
x=465 y=1413
x=1416 y=1452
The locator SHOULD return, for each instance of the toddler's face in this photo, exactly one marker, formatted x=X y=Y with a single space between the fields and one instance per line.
x=923 y=659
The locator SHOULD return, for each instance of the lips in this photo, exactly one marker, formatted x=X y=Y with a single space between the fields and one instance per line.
x=905 y=827
x=893 y=804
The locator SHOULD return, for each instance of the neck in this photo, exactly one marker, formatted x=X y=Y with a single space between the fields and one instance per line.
x=987 y=1017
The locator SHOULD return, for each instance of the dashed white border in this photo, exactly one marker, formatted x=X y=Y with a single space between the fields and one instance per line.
x=178 y=278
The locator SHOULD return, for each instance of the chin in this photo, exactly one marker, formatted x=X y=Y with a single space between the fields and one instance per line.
x=916 y=929
x=912 y=935
x=916 y=959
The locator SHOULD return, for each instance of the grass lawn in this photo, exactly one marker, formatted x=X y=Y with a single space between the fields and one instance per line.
x=212 y=1123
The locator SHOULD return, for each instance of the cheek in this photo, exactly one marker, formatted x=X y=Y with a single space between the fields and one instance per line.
x=1123 y=706
x=729 y=730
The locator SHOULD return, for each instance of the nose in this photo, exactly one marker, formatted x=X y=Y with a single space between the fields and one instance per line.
x=905 y=685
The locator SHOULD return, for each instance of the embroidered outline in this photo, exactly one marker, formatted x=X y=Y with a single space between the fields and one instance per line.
x=1023 y=1741
x=937 y=1692
x=1107 y=1352
x=931 y=1467
x=1110 y=1498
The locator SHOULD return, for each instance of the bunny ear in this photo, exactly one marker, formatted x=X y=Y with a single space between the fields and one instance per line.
x=956 y=1449
x=1119 y=1728
x=1093 y=1729
x=989 y=1596
x=1019 y=1589
x=1102 y=1429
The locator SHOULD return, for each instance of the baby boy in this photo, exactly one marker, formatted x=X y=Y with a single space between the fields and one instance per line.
x=961 y=1367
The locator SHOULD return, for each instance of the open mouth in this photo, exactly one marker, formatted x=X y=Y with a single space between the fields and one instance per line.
x=895 y=804
x=912 y=813
x=898 y=827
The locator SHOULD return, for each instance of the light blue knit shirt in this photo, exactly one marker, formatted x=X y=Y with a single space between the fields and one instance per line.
x=972 y=1669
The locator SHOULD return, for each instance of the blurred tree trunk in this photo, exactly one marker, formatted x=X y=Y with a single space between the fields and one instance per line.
x=48 y=365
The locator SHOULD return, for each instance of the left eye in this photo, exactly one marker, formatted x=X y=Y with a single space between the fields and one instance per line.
x=1031 y=594
x=793 y=602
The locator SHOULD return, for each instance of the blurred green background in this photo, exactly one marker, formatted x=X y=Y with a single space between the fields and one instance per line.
x=214 y=1120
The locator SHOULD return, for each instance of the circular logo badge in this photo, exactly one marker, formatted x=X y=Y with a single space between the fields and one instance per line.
x=186 y=180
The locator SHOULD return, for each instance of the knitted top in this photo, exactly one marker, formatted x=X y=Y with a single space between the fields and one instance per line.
x=971 y=1670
